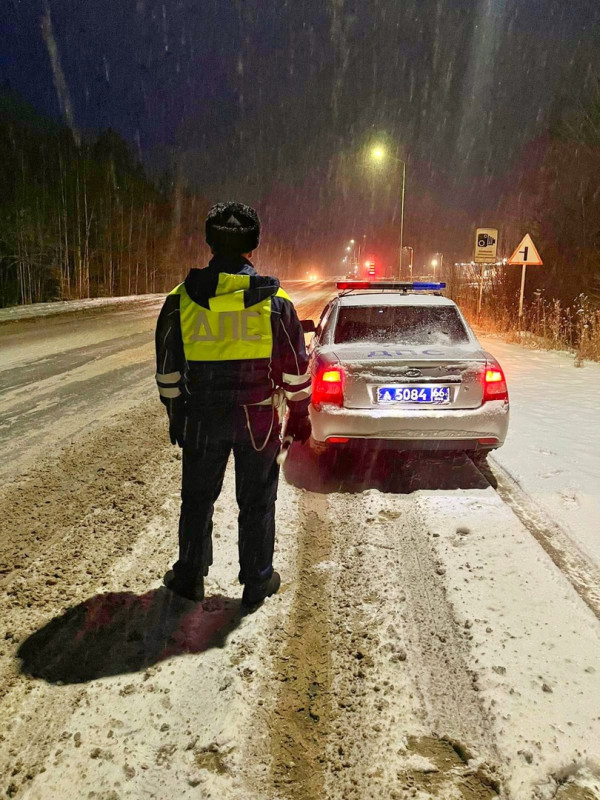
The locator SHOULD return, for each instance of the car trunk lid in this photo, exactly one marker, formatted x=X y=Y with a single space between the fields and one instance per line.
x=368 y=367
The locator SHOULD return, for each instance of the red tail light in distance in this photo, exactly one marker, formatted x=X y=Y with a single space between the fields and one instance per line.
x=328 y=387
x=494 y=383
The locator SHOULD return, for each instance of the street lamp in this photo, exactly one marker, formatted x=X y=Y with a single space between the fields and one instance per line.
x=435 y=262
x=412 y=256
x=351 y=250
x=379 y=154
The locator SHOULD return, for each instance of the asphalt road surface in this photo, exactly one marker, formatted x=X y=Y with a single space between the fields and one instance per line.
x=62 y=375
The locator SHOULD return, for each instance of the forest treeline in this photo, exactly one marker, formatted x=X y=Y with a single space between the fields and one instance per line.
x=84 y=219
x=80 y=220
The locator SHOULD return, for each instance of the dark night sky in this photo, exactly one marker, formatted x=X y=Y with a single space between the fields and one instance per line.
x=274 y=102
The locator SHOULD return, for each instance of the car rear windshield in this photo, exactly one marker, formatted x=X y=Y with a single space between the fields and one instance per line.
x=421 y=325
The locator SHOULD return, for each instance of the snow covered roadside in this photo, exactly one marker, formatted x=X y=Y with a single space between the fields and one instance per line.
x=535 y=646
x=535 y=643
x=553 y=444
x=35 y=310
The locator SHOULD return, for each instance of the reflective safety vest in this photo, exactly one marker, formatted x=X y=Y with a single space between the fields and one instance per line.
x=231 y=329
x=226 y=340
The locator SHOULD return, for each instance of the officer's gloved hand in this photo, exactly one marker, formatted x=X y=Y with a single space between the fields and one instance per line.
x=299 y=428
x=176 y=422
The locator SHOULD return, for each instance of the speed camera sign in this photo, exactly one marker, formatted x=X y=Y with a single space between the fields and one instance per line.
x=486 y=245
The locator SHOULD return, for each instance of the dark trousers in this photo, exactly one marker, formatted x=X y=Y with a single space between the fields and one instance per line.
x=256 y=478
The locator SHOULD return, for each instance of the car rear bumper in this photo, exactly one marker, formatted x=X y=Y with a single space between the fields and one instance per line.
x=477 y=428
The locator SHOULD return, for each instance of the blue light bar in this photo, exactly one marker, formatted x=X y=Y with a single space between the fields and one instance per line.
x=432 y=287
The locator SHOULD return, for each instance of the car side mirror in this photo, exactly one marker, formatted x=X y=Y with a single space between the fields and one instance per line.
x=308 y=326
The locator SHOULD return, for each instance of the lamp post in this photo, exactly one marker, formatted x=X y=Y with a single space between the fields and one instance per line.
x=412 y=257
x=351 y=251
x=362 y=246
x=379 y=154
x=435 y=263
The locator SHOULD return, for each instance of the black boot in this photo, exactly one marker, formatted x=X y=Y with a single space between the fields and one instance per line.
x=255 y=593
x=194 y=591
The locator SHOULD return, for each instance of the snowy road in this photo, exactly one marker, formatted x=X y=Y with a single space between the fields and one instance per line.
x=62 y=375
x=434 y=637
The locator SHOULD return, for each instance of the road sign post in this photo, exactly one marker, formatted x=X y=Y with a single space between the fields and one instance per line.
x=525 y=254
x=522 y=296
x=480 y=294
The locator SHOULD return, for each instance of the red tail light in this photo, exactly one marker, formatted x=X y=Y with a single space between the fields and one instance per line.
x=494 y=383
x=328 y=387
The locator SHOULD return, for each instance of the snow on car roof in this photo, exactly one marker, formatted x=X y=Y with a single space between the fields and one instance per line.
x=372 y=298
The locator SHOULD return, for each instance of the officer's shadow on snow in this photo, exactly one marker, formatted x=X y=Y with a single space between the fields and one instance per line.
x=387 y=471
x=122 y=632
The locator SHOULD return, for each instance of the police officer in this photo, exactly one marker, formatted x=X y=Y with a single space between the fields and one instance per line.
x=230 y=354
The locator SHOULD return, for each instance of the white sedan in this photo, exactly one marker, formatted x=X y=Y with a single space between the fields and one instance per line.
x=395 y=365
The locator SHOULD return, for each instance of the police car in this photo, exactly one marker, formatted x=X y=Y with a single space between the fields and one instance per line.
x=395 y=365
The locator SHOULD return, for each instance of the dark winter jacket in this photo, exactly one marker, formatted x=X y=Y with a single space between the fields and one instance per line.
x=227 y=341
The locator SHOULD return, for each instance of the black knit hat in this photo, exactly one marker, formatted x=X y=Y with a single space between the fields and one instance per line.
x=232 y=228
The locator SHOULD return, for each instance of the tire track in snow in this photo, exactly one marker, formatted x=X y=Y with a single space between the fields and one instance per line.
x=303 y=665
x=408 y=713
x=581 y=573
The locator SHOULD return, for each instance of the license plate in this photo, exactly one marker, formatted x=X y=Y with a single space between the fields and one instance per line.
x=435 y=395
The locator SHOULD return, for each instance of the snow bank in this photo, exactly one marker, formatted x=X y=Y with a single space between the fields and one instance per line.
x=63 y=306
x=553 y=443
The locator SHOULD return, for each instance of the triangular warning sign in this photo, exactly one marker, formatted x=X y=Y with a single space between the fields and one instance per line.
x=526 y=253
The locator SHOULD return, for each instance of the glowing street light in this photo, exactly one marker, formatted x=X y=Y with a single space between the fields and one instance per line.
x=378 y=155
x=435 y=262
